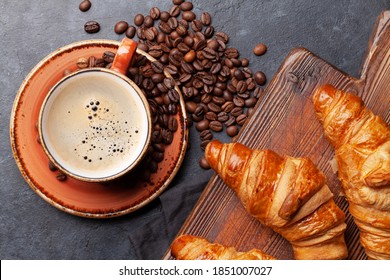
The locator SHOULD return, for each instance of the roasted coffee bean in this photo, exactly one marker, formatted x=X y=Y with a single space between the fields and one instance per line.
x=158 y=156
x=130 y=32
x=52 y=167
x=177 y=2
x=206 y=98
x=236 y=111
x=222 y=36
x=174 y=95
x=143 y=47
x=241 y=119
x=202 y=125
x=209 y=53
x=196 y=25
x=219 y=100
x=199 y=44
x=108 y=66
x=216 y=68
x=154 y=13
x=61 y=177
x=174 y=11
x=239 y=75
x=149 y=34
x=91 y=26
x=208 y=80
x=156 y=136
x=205 y=18
x=228 y=106
x=82 y=63
x=258 y=92
x=188 y=15
x=250 y=102
x=189 y=41
x=139 y=19
x=172 y=70
x=247 y=72
x=148 y=21
x=196 y=118
x=169 y=83
x=172 y=124
x=251 y=84
x=183 y=23
x=190 y=106
x=186 y=6
x=244 y=62
x=157 y=67
x=91 y=61
x=230 y=121
x=155 y=51
x=160 y=38
x=108 y=56
x=244 y=95
x=228 y=96
x=204 y=164
x=241 y=87
x=173 y=24
x=100 y=62
x=120 y=27
x=231 y=53
x=153 y=166
x=172 y=109
x=260 y=78
x=214 y=107
x=216 y=126
x=157 y=78
x=250 y=111
x=162 y=88
x=167 y=136
x=164 y=16
x=206 y=135
x=188 y=92
x=199 y=111
x=260 y=49
x=141 y=32
x=222 y=116
x=183 y=48
x=232 y=130
x=204 y=144
x=190 y=56
x=163 y=119
x=208 y=32
x=181 y=30
x=185 y=77
x=211 y=116
x=164 y=27
x=85 y=5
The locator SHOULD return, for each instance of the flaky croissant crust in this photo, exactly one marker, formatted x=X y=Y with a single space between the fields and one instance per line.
x=362 y=151
x=288 y=194
x=188 y=247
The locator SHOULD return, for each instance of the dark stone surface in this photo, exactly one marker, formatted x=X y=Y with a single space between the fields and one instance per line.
x=337 y=31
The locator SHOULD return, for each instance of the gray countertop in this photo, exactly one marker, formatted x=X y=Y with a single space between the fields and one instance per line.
x=337 y=31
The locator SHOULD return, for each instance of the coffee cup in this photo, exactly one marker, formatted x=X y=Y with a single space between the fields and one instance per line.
x=95 y=124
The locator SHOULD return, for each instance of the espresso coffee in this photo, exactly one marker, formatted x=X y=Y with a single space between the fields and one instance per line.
x=94 y=124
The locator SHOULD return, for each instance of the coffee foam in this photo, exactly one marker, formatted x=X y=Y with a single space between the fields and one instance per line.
x=94 y=124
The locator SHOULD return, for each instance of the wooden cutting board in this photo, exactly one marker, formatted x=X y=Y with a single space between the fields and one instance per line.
x=284 y=121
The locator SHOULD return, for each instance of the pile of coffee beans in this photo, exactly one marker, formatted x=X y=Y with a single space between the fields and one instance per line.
x=219 y=89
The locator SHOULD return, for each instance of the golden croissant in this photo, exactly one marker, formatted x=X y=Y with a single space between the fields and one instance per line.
x=188 y=247
x=288 y=194
x=362 y=151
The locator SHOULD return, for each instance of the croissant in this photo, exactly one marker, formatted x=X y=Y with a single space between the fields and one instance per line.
x=362 y=151
x=288 y=194
x=188 y=247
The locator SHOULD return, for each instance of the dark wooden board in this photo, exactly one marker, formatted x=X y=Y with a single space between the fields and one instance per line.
x=284 y=121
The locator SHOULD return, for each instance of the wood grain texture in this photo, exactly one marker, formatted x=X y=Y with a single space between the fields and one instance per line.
x=284 y=121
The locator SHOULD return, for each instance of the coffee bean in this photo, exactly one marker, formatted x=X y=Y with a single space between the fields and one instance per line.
x=172 y=124
x=91 y=61
x=202 y=125
x=216 y=126
x=231 y=53
x=260 y=49
x=85 y=5
x=214 y=107
x=174 y=11
x=230 y=121
x=156 y=136
x=188 y=15
x=172 y=109
x=250 y=102
x=157 y=67
x=149 y=34
x=158 y=78
x=167 y=136
x=205 y=18
x=190 y=106
x=174 y=95
x=241 y=87
x=172 y=69
x=222 y=116
x=222 y=36
x=208 y=32
x=244 y=62
x=100 y=62
x=164 y=16
x=206 y=135
x=204 y=144
x=61 y=177
x=238 y=101
x=211 y=116
x=154 y=13
x=155 y=51
x=130 y=32
x=120 y=27
x=260 y=78
x=186 y=6
x=238 y=74
x=108 y=56
x=91 y=26
x=232 y=130
x=228 y=96
x=82 y=63
x=236 y=111
x=258 y=92
x=139 y=19
x=184 y=78
x=52 y=167
x=158 y=156
x=190 y=56
x=228 y=106
x=241 y=119
x=196 y=25
x=251 y=111
x=204 y=164
x=153 y=166
x=199 y=111
x=177 y=2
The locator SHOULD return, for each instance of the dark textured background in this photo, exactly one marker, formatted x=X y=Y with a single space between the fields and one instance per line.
x=337 y=31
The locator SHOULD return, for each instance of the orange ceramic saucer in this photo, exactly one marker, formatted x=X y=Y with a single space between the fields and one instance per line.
x=92 y=200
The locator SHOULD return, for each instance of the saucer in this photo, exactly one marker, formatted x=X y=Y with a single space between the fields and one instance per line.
x=91 y=200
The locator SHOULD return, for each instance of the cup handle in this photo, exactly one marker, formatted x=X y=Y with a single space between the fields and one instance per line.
x=124 y=55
